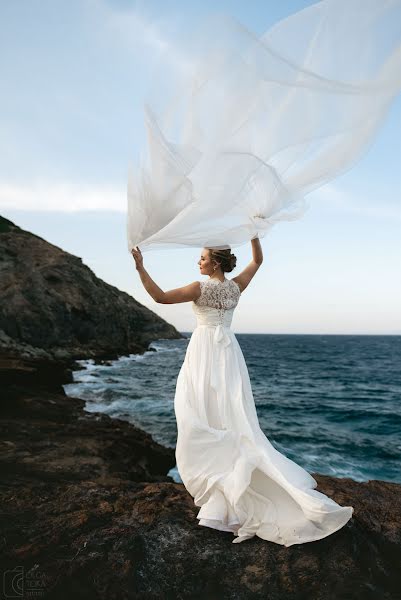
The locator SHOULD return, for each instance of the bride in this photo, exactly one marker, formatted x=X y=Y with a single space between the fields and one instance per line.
x=241 y=483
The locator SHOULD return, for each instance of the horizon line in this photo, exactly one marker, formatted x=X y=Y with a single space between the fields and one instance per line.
x=252 y=333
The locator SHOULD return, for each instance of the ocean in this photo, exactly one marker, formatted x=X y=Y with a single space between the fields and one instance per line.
x=331 y=403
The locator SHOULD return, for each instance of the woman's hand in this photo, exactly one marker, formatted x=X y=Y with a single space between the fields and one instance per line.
x=137 y=254
x=150 y=286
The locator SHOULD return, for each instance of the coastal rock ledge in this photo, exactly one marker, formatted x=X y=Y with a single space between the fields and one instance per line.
x=88 y=511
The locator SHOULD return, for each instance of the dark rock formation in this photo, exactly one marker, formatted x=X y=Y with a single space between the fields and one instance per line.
x=50 y=435
x=53 y=306
x=88 y=511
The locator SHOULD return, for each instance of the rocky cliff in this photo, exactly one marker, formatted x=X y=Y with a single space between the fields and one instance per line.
x=53 y=306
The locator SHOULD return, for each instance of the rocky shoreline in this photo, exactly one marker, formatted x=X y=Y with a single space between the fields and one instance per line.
x=87 y=507
x=89 y=511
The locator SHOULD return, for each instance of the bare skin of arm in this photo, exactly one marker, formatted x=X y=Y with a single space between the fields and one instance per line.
x=245 y=277
x=192 y=291
x=182 y=294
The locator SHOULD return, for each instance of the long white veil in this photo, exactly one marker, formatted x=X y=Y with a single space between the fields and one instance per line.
x=241 y=127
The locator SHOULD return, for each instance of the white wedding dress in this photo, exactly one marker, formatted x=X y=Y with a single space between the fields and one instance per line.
x=238 y=479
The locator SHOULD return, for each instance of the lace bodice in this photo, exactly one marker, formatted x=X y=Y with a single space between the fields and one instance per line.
x=217 y=302
x=219 y=294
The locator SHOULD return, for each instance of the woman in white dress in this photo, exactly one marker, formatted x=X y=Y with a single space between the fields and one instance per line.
x=241 y=483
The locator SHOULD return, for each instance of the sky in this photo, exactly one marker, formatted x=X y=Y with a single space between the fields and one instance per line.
x=74 y=79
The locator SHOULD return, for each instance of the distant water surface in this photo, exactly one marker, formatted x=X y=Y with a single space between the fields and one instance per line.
x=332 y=403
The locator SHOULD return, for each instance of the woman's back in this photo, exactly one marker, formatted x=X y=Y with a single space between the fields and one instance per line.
x=216 y=304
x=219 y=294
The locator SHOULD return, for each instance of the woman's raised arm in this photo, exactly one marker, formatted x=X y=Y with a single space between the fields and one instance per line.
x=182 y=294
x=244 y=278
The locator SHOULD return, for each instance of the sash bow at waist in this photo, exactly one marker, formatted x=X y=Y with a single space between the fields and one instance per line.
x=221 y=335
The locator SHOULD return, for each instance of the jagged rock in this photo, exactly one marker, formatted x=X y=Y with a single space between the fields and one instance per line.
x=53 y=305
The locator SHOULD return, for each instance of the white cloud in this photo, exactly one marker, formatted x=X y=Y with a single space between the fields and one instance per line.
x=62 y=196
x=133 y=29
x=147 y=38
x=74 y=197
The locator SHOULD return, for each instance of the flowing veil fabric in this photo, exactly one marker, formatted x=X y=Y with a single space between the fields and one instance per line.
x=240 y=127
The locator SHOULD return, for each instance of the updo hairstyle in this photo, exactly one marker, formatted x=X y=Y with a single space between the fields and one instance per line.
x=227 y=260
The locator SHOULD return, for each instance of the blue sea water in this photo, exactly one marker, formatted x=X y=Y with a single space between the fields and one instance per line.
x=331 y=403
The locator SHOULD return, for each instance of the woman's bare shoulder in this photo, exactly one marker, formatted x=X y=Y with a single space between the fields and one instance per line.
x=237 y=282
